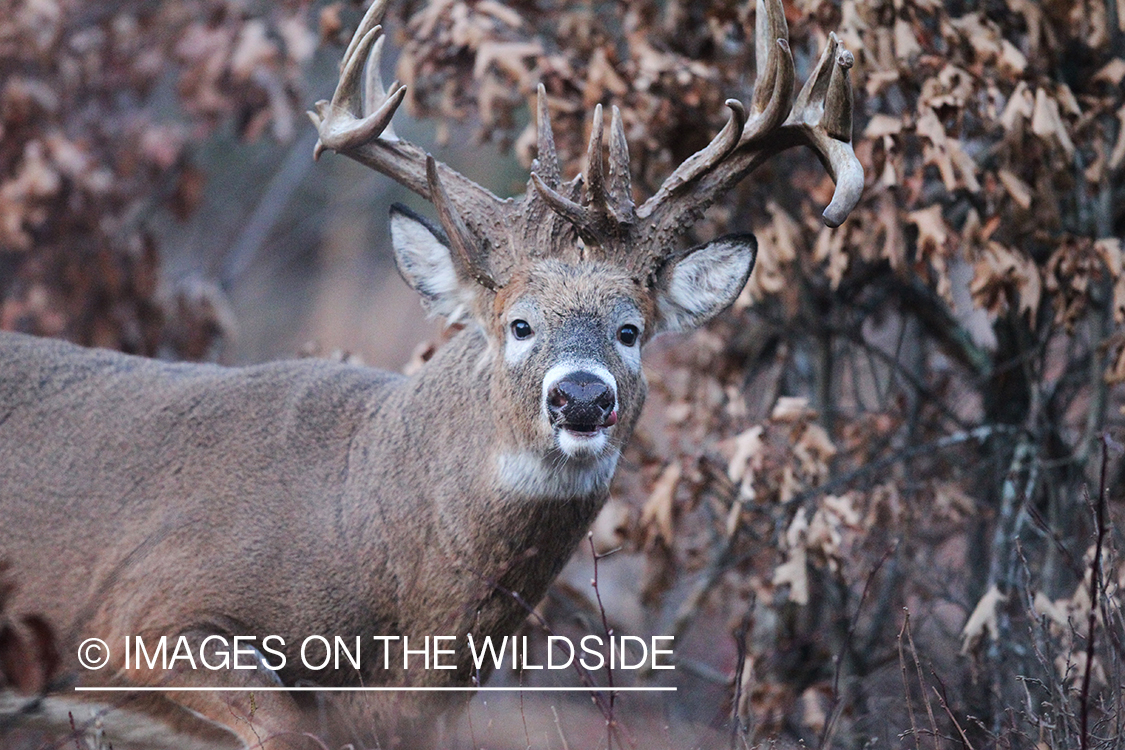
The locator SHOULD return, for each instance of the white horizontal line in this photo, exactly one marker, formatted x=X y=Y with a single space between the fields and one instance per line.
x=308 y=689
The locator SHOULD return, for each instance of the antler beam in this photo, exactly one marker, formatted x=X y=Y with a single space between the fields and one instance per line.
x=356 y=123
x=819 y=117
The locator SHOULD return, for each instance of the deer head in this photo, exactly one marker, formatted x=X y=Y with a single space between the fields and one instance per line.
x=570 y=279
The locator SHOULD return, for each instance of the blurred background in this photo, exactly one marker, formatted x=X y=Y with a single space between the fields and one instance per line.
x=877 y=502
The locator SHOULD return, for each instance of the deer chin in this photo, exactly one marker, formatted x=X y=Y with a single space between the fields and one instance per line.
x=582 y=442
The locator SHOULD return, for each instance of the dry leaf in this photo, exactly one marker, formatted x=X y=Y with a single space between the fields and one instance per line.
x=1017 y=188
x=1002 y=273
x=1110 y=248
x=882 y=125
x=983 y=620
x=957 y=168
x=790 y=485
x=1117 y=157
x=778 y=247
x=300 y=40
x=1113 y=72
x=1012 y=61
x=516 y=59
x=501 y=13
x=950 y=501
x=792 y=409
x=748 y=454
x=843 y=508
x=794 y=571
x=1056 y=612
x=1046 y=122
x=894 y=242
x=253 y=49
x=611 y=527
x=1115 y=375
x=1020 y=107
x=906 y=44
x=934 y=243
x=656 y=516
x=814 y=449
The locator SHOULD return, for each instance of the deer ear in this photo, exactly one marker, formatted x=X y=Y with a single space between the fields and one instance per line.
x=703 y=282
x=424 y=261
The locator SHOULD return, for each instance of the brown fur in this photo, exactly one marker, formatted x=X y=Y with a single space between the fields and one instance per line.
x=293 y=498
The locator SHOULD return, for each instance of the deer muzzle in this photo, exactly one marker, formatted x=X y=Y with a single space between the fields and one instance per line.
x=582 y=403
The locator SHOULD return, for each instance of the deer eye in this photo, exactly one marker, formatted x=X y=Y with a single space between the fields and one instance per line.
x=627 y=335
x=521 y=329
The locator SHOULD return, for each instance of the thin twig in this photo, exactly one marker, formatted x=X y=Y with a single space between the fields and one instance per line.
x=837 y=705
x=523 y=716
x=609 y=639
x=736 y=727
x=942 y=699
x=584 y=676
x=921 y=680
x=74 y=730
x=558 y=726
x=1095 y=594
x=906 y=682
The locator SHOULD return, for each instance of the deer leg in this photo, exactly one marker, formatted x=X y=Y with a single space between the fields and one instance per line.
x=262 y=720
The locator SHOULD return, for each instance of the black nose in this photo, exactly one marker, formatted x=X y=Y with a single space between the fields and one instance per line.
x=581 y=401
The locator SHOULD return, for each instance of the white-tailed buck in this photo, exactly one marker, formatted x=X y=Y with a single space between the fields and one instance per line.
x=310 y=498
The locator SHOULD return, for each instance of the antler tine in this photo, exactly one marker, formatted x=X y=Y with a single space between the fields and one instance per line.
x=374 y=91
x=702 y=161
x=578 y=215
x=826 y=119
x=467 y=249
x=346 y=122
x=595 y=175
x=547 y=160
x=773 y=91
x=357 y=124
x=768 y=26
x=808 y=105
x=343 y=123
x=769 y=106
x=838 y=101
x=823 y=111
x=601 y=215
x=819 y=117
x=372 y=18
x=546 y=174
x=620 y=180
x=779 y=91
x=840 y=160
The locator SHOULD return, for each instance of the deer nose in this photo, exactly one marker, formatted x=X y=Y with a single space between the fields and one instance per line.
x=581 y=401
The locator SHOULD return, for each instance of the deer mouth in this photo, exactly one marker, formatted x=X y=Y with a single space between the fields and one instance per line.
x=589 y=429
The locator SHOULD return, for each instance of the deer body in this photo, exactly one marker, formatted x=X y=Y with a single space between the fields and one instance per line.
x=309 y=498
x=338 y=462
x=335 y=488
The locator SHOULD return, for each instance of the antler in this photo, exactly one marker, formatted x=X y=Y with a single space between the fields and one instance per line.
x=357 y=124
x=598 y=204
x=606 y=210
x=820 y=118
